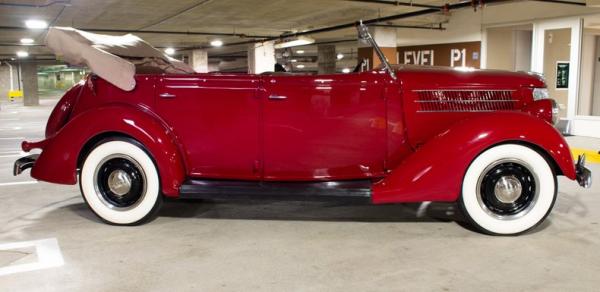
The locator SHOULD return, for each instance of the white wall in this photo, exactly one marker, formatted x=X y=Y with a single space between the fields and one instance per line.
x=596 y=89
x=588 y=61
x=522 y=50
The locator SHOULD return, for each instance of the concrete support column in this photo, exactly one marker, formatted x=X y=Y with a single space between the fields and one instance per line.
x=326 y=59
x=387 y=40
x=261 y=58
x=30 y=84
x=199 y=61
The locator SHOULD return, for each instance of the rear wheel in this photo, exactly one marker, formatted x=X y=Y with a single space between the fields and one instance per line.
x=508 y=189
x=120 y=183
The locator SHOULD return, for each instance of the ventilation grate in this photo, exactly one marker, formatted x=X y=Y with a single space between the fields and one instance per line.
x=465 y=100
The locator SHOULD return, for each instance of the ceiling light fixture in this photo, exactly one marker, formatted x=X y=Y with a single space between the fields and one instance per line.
x=300 y=66
x=294 y=60
x=169 y=51
x=27 y=41
x=340 y=56
x=22 y=54
x=36 y=24
x=294 y=42
x=300 y=52
x=346 y=70
x=216 y=43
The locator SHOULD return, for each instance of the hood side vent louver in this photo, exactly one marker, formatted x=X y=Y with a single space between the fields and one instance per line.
x=465 y=100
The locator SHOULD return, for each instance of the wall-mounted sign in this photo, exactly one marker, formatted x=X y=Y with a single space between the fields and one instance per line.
x=451 y=55
x=562 y=75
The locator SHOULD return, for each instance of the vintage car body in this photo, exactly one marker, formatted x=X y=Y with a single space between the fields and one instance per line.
x=372 y=136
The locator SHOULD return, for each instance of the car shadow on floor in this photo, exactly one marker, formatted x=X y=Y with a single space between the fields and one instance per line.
x=307 y=211
x=310 y=211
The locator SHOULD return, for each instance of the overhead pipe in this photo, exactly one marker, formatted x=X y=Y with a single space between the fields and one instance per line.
x=65 y=3
x=398 y=3
x=438 y=27
x=241 y=35
x=563 y=2
x=447 y=7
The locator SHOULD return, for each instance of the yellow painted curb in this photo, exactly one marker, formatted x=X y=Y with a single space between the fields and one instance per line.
x=591 y=156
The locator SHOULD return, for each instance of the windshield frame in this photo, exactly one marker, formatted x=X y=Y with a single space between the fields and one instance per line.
x=364 y=34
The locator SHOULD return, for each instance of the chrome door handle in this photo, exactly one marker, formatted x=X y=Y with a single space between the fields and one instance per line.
x=275 y=96
x=167 y=95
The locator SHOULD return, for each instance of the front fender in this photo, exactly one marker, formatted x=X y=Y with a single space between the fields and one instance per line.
x=58 y=160
x=435 y=171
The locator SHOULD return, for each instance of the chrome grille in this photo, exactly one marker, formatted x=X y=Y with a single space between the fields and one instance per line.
x=465 y=100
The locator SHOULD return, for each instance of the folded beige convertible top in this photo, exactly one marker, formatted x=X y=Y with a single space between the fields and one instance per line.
x=114 y=58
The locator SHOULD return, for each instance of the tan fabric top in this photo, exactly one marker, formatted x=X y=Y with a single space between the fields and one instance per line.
x=114 y=58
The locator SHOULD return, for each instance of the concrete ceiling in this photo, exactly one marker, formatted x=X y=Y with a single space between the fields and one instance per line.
x=250 y=17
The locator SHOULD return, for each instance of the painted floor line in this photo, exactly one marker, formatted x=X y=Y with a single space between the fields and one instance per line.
x=16 y=183
x=10 y=155
x=591 y=156
x=12 y=138
x=47 y=251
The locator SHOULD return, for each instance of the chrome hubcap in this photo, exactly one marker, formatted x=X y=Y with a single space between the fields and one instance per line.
x=508 y=189
x=119 y=182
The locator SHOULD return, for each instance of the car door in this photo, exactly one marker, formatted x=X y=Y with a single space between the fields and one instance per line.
x=216 y=120
x=325 y=127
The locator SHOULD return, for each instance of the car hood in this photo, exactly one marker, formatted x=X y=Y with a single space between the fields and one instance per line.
x=446 y=77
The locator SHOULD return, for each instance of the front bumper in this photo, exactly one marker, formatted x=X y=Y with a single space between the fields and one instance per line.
x=24 y=163
x=584 y=175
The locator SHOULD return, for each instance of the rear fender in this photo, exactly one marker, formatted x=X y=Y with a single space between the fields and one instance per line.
x=59 y=158
x=435 y=171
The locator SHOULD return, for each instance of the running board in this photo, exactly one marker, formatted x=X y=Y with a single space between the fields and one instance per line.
x=356 y=191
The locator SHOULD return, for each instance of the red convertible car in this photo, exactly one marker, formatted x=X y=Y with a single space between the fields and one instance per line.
x=483 y=139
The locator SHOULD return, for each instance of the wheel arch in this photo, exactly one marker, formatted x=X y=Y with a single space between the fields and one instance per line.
x=537 y=148
x=101 y=137
x=434 y=172
x=63 y=153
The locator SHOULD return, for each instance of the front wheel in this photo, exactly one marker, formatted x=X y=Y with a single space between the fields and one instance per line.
x=507 y=190
x=120 y=183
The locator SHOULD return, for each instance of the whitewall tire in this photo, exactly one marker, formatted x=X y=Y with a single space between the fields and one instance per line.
x=120 y=183
x=507 y=190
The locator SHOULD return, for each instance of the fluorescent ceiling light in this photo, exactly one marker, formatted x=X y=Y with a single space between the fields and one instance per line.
x=216 y=43
x=27 y=41
x=22 y=54
x=169 y=51
x=294 y=60
x=36 y=24
x=300 y=66
x=300 y=52
x=294 y=42
x=346 y=70
x=340 y=56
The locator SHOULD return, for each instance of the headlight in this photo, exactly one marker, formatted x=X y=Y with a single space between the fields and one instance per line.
x=540 y=93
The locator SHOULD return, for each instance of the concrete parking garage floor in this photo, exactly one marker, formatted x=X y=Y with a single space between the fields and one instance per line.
x=282 y=246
